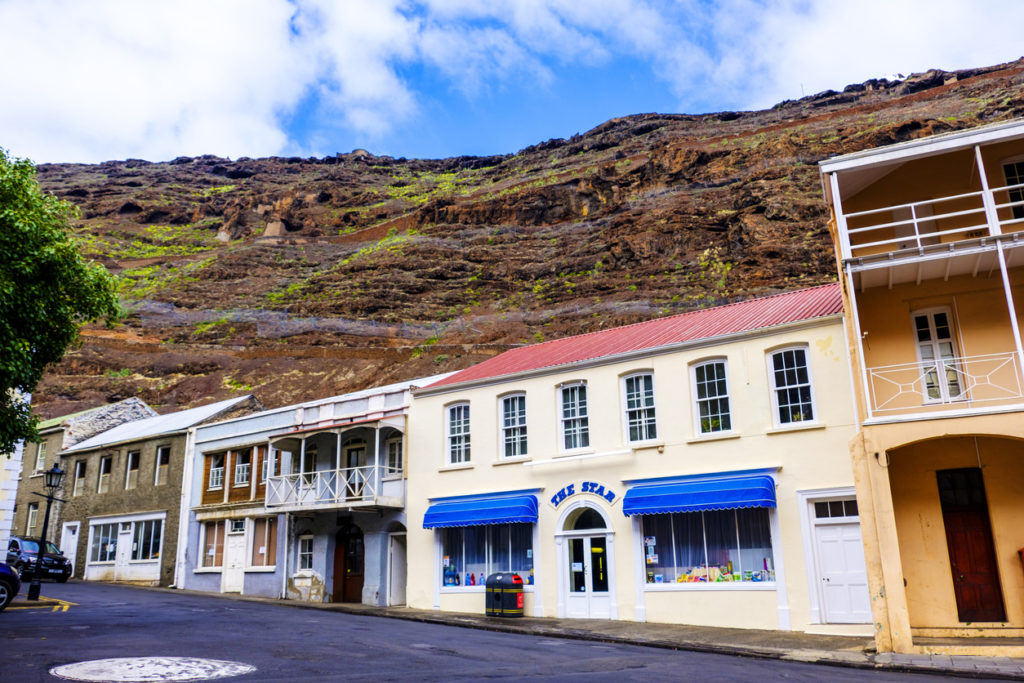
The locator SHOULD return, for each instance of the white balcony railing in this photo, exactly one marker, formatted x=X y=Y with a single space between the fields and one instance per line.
x=325 y=488
x=945 y=384
x=931 y=222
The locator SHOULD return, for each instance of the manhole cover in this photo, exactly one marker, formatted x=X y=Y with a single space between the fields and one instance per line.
x=141 y=669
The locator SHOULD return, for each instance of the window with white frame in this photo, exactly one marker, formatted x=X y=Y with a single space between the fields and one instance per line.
x=106 y=462
x=711 y=388
x=216 y=465
x=792 y=397
x=469 y=554
x=131 y=470
x=212 y=544
x=264 y=542
x=32 y=520
x=79 y=484
x=641 y=424
x=394 y=461
x=146 y=539
x=306 y=551
x=1015 y=181
x=103 y=542
x=574 y=417
x=265 y=463
x=163 y=465
x=936 y=351
x=458 y=433
x=243 y=466
x=41 y=456
x=710 y=546
x=513 y=426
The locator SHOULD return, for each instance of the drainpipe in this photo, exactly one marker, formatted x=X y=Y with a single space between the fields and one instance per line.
x=287 y=554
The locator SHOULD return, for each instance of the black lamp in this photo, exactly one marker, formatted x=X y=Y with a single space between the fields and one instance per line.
x=52 y=479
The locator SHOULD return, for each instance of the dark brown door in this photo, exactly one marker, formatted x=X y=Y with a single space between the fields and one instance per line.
x=972 y=555
x=348 y=565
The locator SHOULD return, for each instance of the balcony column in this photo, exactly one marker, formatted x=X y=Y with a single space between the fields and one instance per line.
x=841 y=230
x=854 y=313
x=377 y=469
x=986 y=196
x=1011 y=306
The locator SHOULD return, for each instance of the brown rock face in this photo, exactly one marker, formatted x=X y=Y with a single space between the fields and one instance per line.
x=300 y=278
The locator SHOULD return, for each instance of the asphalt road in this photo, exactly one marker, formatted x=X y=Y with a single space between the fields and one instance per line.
x=286 y=643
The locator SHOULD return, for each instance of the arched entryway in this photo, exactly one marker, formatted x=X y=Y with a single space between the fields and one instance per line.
x=348 y=565
x=585 y=564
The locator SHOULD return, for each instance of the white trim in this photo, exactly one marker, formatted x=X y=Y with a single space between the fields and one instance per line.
x=562 y=560
x=560 y=420
x=769 y=356
x=501 y=427
x=639 y=571
x=134 y=517
x=585 y=456
x=466 y=452
x=781 y=592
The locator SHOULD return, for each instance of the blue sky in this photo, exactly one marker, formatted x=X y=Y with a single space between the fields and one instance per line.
x=113 y=79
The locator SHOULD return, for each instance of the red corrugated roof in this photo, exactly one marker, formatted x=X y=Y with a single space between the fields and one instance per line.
x=755 y=314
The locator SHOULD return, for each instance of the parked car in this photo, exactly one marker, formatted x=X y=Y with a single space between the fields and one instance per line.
x=10 y=584
x=22 y=554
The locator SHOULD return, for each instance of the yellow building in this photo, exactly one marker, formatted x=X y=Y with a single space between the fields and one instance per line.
x=691 y=469
x=927 y=234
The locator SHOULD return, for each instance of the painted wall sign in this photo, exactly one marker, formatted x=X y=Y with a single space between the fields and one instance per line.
x=583 y=487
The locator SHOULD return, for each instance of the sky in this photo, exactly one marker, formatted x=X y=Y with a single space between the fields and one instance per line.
x=89 y=81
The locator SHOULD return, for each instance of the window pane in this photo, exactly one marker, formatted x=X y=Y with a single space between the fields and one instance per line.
x=640 y=417
x=500 y=548
x=689 y=538
x=476 y=553
x=451 y=556
x=522 y=551
x=712 y=398
x=659 y=556
x=755 y=544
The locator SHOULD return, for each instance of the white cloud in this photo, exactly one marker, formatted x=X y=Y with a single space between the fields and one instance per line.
x=157 y=79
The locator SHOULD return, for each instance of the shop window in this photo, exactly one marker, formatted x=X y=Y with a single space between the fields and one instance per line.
x=305 y=552
x=458 y=433
x=641 y=424
x=513 y=426
x=146 y=539
x=32 y=520
x=470 y=554
x=79 y=478
x=394 y=461
x=712 y=393
x=103 y=543
x=41 y=457
x=213 y=544
x=710 y=546
x=264 y=542
x=243 y=467
x=131 y=474
x=574 y=419
x=104 y=479
x=792 y=398
x=163 y=465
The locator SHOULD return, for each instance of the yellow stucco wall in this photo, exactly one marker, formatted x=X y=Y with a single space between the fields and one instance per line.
x=813 y=457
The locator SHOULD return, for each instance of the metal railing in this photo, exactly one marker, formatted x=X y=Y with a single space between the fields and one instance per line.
x=325 y=487
x=946 y=383
x=932 y=221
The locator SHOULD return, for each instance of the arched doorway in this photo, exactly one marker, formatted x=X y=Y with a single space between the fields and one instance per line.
x=585 y=564
x=348 y=565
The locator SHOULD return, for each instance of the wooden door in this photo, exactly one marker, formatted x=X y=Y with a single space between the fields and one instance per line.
x=972 y=556
x=348 y=565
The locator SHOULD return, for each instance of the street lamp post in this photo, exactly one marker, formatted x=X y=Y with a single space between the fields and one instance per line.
x=52 y=479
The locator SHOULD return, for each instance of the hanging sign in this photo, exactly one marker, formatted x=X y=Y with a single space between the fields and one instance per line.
x=577 y=488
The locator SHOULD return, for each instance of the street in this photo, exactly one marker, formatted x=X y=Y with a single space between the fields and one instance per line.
x=286 y=643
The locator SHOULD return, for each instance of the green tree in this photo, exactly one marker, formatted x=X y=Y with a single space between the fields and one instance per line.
x=47 y=292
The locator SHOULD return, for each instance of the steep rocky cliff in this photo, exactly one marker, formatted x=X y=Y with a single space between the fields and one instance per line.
x=300 y=278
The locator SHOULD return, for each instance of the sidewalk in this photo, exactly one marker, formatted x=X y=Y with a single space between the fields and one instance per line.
x=851 y=651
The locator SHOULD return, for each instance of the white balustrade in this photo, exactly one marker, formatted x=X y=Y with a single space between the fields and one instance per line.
x=324 y=488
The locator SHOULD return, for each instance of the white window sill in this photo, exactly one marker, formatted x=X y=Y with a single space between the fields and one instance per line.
x=392 y=477
x=643 y=445
x=455 y=467
x=512 y=461
x=207 y=570
x=153 y=561
x=712 y=586
x=574 y=453
x=714 y=436
x=108 y=563
x=260 y=570
x=455 y=590
x=795 y=427
x=241 y=486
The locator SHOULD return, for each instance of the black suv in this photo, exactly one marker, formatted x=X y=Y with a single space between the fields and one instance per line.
x=23 y=552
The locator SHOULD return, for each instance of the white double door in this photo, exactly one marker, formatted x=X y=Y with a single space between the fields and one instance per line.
x=588 y=585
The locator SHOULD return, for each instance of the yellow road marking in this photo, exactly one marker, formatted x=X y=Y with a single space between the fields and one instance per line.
x=51 y=604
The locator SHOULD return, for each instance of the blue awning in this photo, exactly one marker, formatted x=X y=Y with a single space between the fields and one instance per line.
x=720 y=493
x=499 y=509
